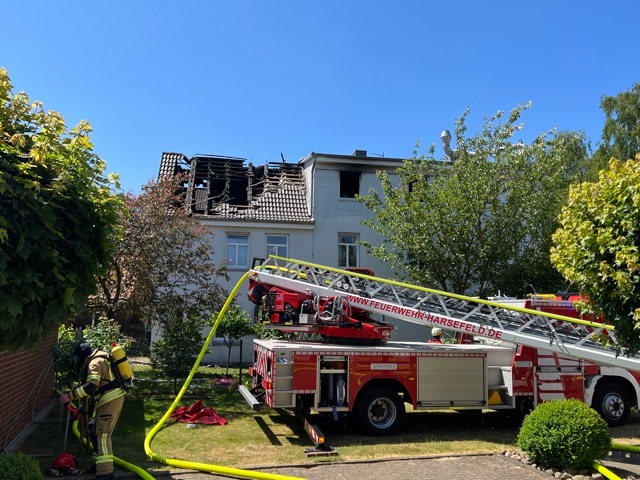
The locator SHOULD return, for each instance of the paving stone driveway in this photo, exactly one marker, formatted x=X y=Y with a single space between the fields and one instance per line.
x=466 y=467
x=441 y=467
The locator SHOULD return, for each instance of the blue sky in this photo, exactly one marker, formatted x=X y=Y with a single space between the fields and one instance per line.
x=258 y=79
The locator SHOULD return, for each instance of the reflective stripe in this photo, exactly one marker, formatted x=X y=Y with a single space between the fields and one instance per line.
x=109 y=396
x=106 y=454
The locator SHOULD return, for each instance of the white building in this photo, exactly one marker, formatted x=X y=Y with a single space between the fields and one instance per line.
x=307 y=211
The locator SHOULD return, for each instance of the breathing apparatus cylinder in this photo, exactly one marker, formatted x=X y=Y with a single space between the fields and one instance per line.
x=340 y=390
x=122 y=362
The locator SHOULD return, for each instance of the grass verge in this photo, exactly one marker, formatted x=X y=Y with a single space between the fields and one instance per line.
x=269 y=437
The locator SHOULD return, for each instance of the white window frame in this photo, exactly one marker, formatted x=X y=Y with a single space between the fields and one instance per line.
x=278 y=249
x=237 y=242
x=350 y=249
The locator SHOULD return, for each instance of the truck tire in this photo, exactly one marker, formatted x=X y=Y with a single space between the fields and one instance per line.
x=380 y=412
x=612 y=402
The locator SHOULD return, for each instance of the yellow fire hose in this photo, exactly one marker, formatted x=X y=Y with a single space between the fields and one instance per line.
x=228 y=471
x=236 y=472
x=76 y=432
x=232 y=472
x=614 y=446
x=598 y=467
x=121 y=463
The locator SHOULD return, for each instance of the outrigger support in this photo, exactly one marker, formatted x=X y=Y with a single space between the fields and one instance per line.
x=249 y=398
x=317 y=437
x=315 y=434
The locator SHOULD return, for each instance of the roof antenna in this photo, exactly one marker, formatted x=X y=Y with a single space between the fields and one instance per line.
x=282 y=156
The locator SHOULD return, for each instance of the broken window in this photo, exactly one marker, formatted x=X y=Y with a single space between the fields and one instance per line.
x=349 y=184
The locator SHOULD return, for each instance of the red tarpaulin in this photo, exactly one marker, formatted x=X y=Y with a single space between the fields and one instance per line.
x=197 y=414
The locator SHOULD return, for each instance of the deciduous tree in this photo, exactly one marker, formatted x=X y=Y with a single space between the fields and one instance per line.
x=178 y=346
x=58 y=218
x=482 y=222
x=621 y=131
x=597 y=247
x=164 y=266
x=235 y=325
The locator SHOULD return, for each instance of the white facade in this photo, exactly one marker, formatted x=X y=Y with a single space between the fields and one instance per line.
x=326 y=236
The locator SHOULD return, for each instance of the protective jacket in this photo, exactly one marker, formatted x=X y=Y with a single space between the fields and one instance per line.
x=98 y=380
x=104 y=397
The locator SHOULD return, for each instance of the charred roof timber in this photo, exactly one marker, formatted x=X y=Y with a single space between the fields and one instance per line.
x=226 y=187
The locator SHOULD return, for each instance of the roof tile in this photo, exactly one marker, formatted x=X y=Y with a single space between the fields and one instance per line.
x=224 y=188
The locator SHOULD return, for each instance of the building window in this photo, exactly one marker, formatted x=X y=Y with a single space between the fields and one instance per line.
x=347 y=250
x=349 y=184
x=237 y=251
x=278 y=245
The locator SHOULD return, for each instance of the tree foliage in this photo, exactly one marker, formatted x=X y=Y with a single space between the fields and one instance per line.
x=621 y=131
x=597 y=247
x=65 y=363
x=235 y=325
x=102 y=335
x=163 y=273
x=58 y=218
x=164 y=266
x=177 y=348
x=483 y=221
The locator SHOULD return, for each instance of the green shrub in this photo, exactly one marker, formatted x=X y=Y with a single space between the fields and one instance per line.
x=175 y=352
x=101 y=335
x=64 y=361
x=564 y=434
x=18 y=466
x=104 y=333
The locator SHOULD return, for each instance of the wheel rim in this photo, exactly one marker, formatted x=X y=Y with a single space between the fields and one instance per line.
x=613 y=406
x=382 y=413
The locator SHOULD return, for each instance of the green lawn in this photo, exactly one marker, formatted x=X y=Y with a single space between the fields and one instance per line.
x=252 y=439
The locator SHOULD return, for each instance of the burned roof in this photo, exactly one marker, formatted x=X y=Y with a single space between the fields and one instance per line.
x=172 y=164
x=229 y=188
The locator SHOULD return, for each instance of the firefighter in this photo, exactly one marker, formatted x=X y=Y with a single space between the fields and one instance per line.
x=104 y=396
x=436 y=334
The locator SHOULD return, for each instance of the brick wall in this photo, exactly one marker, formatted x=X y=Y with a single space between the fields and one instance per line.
x=24 y=389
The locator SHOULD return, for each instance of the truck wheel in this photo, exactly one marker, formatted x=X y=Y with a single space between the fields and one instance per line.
x=612 y=402
x=380 y=412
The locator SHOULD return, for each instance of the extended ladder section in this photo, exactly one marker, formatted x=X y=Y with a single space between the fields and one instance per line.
x=590 y=341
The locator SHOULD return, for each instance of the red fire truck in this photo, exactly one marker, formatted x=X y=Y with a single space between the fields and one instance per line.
x=510 y=355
